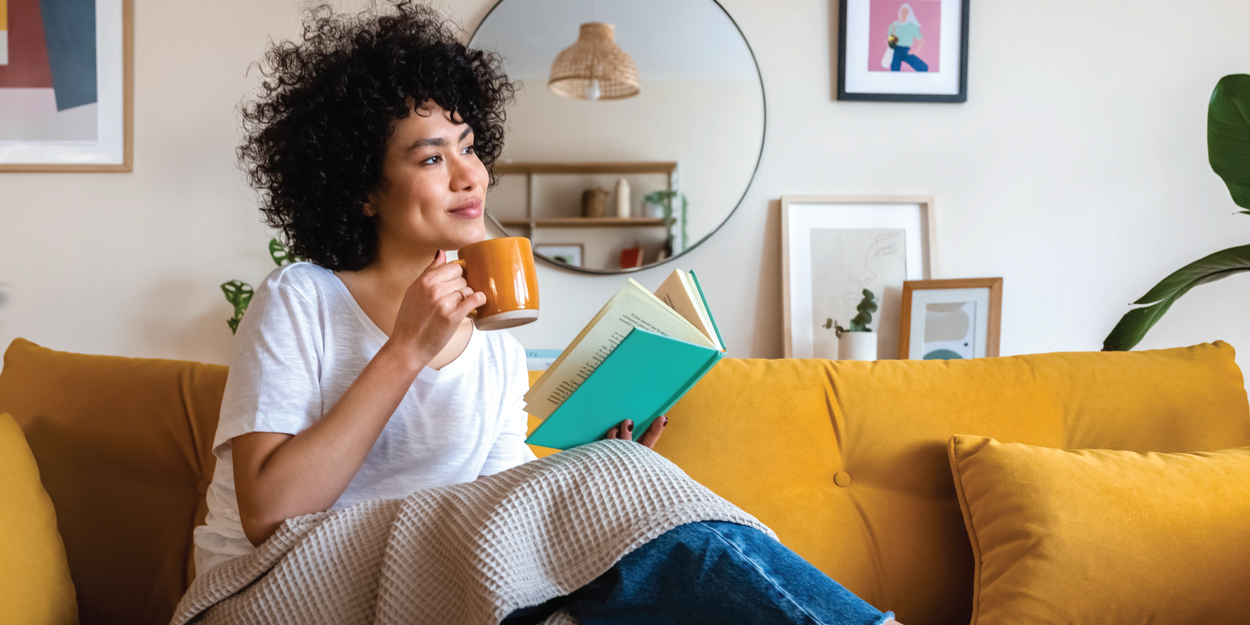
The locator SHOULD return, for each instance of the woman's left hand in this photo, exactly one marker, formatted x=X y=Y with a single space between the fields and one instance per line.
x=625 y=431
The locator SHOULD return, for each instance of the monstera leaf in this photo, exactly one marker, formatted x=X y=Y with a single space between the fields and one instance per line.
x=1228 y=135
x=1228 y=148
x=279 y=253
x=239 y=294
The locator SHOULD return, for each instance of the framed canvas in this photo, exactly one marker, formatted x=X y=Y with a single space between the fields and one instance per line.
x=950 y=319
x=834 y=247
x=903 y=50
x=567 y=253
x=66 y=85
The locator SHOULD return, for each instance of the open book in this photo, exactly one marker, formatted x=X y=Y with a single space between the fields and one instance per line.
x=634 y=360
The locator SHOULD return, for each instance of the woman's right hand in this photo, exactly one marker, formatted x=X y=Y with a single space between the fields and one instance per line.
x=434 y=306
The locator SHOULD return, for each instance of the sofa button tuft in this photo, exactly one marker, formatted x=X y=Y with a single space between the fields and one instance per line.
x=842 y=478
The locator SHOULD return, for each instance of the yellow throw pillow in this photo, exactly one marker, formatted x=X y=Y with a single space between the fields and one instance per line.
x=1097 y=536
x=35 y=587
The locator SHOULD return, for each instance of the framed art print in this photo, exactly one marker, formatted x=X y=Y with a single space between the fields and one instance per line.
x=834 y=247
x=903 y=50
x=66 y=85
x=950 y=319
x=567 y=253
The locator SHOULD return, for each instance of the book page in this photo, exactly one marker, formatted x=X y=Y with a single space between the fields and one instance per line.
x=680 y=294
x=631 y=307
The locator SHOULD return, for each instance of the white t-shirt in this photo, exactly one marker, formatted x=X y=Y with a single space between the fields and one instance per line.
x=302 y=343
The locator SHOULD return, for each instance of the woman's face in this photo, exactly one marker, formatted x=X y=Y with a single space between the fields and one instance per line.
x=902 y=14
x=433 y=187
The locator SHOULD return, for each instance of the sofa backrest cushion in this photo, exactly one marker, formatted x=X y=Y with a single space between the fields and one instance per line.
x=847 y=461
x=35 y=586
x=122 y=446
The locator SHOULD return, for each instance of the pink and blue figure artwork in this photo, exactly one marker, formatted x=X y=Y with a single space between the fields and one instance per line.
x=904 y=36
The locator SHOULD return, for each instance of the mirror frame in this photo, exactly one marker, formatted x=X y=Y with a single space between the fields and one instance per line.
x=759 y=157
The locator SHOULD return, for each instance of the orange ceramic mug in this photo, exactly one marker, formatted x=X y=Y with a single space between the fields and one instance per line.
x=503 y=269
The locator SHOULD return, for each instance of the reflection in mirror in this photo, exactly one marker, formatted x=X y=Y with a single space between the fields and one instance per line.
x=637 y=179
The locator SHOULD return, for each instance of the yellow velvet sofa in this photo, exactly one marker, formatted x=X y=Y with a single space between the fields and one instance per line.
x=847 y=461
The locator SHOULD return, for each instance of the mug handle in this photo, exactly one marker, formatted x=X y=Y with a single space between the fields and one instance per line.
x=464 y=266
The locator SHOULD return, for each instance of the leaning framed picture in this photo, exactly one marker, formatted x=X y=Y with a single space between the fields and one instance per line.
x=903 y=50
x=950 y=319
x=567 y=253
x=66 y=85
x=834 y=247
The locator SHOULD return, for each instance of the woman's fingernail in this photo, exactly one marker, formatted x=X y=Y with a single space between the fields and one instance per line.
x=665 y=422
x=629 y=426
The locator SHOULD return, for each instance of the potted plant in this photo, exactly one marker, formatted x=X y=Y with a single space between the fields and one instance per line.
x=663 y=201
x=858 y=342
x=1228 y=149
x=240 y=293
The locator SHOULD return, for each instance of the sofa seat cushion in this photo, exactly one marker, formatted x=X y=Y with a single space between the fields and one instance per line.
x=847 y=461
x=35 y=585
x=123 y=450
x=1101 y=536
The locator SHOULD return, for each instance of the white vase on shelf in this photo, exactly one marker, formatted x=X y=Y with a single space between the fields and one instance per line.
x=622 y=198
x=857 y=346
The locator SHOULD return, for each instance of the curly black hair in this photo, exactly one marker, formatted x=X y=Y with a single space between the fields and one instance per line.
x=317 y=133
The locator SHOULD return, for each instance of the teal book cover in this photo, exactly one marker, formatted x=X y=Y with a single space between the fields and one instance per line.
x=641 y=379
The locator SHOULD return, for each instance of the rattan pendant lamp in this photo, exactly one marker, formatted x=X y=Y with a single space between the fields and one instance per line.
x=594 y=68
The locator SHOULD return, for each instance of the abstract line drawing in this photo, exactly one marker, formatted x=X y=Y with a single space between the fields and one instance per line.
x=844 y=263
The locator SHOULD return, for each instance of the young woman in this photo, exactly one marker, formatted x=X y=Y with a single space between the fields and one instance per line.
x=909 y=42
x=357 y=376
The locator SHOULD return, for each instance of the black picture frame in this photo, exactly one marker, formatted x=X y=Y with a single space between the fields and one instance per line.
x=962 y=96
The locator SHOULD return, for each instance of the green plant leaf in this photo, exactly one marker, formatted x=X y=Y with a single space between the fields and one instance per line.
x=1134 y=325
x=239 y=294
x=279 y=253
x=866 y=307
x=1228 y=135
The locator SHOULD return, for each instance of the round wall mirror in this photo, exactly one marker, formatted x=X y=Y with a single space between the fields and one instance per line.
x=637 y=129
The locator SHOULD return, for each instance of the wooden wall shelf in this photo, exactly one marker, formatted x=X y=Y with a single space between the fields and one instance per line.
x=630 y=167
x=532 y=224
x=585 y=222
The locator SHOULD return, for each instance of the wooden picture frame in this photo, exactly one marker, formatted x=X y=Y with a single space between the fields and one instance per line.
x=863 y=27
x=112 y=96
x=821 y=238
x=970 y=308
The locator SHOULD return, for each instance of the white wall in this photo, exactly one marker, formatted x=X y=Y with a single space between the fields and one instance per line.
x=1077 y=171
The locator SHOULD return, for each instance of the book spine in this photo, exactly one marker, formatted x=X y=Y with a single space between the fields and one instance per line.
x=710 y=316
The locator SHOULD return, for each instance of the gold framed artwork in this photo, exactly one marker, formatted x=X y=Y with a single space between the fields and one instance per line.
x=66 y=85
x=950 y=319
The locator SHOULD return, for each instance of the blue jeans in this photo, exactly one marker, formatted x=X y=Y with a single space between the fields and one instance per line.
x=902 y=54
x=710 y=572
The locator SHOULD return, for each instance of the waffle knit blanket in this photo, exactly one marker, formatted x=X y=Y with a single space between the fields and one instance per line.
x=468 y=553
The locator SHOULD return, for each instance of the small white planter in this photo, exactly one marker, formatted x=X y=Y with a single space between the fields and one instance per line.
x=857 y=346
